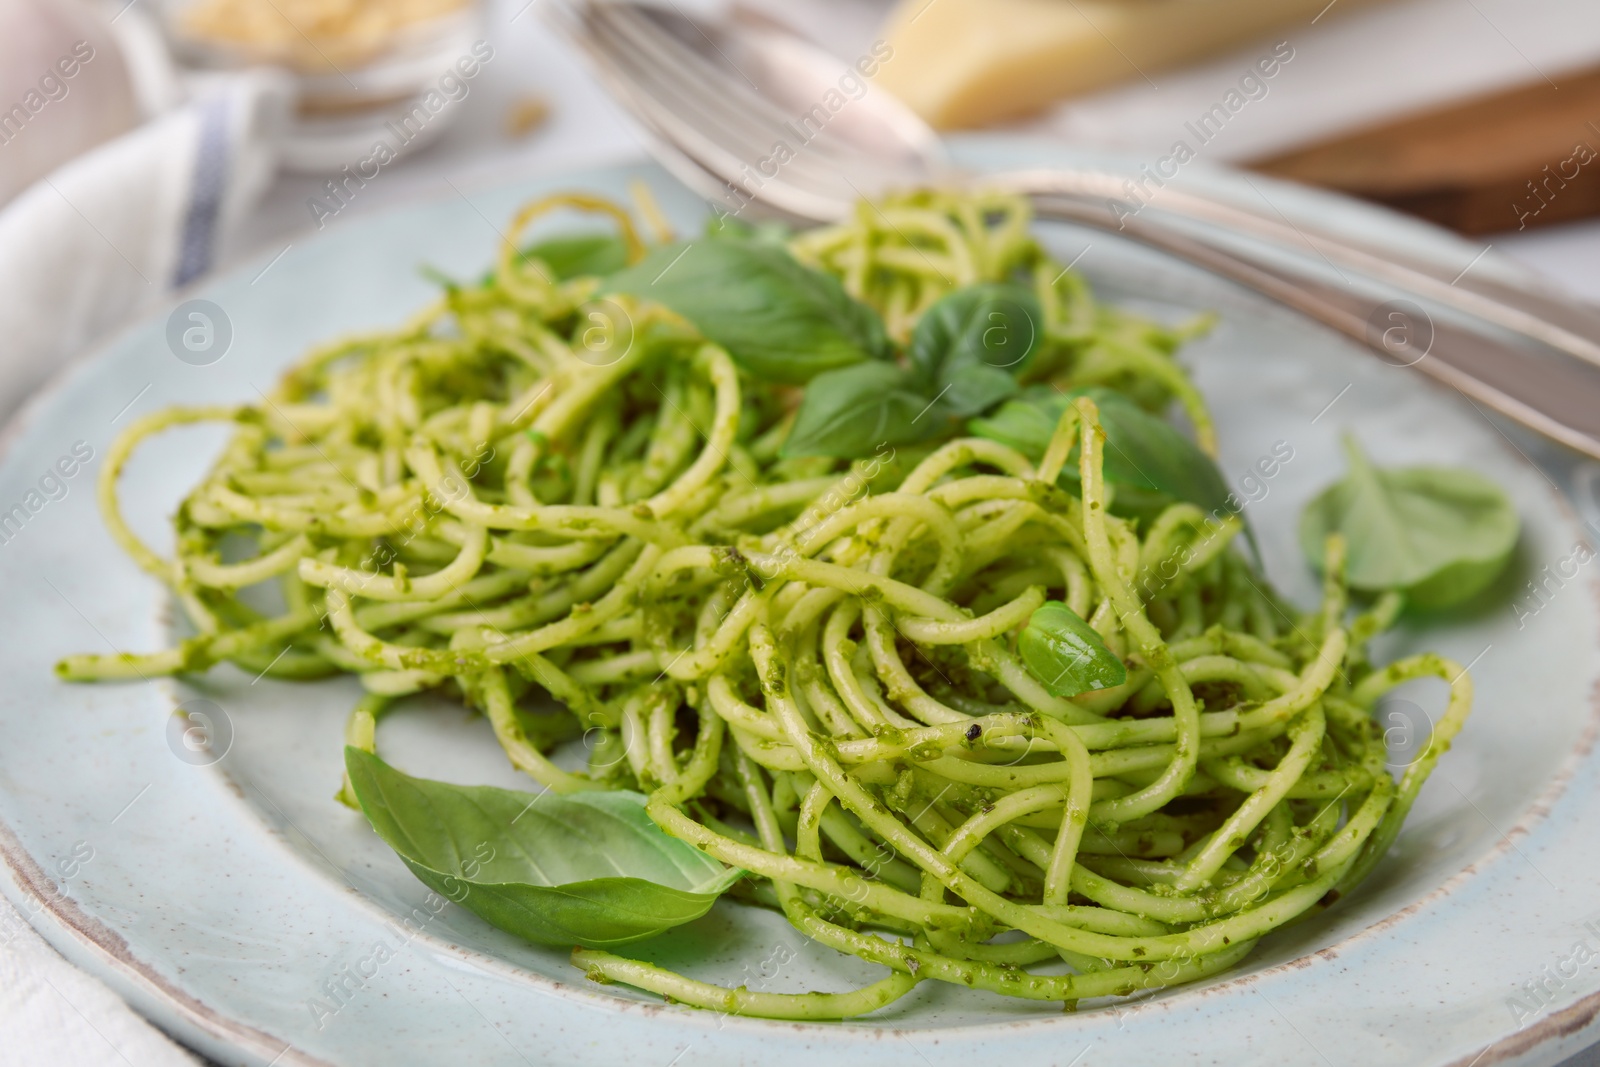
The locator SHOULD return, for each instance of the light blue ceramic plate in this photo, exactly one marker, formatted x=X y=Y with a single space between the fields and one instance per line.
x=235 y=903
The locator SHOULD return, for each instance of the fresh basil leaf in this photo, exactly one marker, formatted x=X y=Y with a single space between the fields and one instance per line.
x=779 y=319
x=1066 y=654
x=851 y=412
x=967 y=390
x=767 y=231
x=969 y=347
x=587 y=869
x=1142 y=450
x=579 y=255
x=1440 y=535
x=1024 y=424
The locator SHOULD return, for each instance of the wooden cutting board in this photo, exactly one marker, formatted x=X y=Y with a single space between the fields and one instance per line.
x=1510 y=161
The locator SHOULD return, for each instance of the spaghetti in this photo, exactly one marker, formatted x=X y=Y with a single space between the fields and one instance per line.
x=806 y=663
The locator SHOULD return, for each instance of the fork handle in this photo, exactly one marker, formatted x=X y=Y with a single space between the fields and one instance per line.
x=1548 y=390
x=1559 y=322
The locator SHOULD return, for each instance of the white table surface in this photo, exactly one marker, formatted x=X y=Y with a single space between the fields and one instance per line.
x=1354 y=69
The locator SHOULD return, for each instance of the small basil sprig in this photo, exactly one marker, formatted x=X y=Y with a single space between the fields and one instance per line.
x=969 y=347
x=1066 y=654
x=965 y=353
x=1142 y=450
x=587 y=869
x=779 y=319
x=1440 y=535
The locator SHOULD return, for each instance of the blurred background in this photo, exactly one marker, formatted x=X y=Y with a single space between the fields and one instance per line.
x=184 y=135
x=147 y=143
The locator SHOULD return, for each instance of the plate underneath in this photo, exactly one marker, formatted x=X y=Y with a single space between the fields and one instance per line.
x=242 y=908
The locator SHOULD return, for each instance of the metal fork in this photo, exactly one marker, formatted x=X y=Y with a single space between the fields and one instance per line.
x=718 y=101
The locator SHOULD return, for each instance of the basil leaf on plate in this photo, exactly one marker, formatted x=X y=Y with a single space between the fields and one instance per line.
x=587 y=869
x=580 y=254
x=970 y=346
x=1440 y=535
x=779 y=319
x=1066 y=654
x=850 y=412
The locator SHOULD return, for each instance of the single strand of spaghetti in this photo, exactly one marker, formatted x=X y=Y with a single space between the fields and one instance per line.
x=519 y=470
x=395 y=657
x=1315 y=678
x=634 y=744
x=969 y=834
x=565 y=520
x=662 y=703
x=117 y=457
x=510 y=257
x=1459 y=705
x=361 y=731
x=604 y=967
x=671 y=439
x=1059 y=447
x=1235 y=773
x=544 y=559
x=1002 y=619
x=773 y=755
x=640 y=664
x=835 y=880
x=376 y=586
x=894 y=594
x=963 y=452
x=214 y=575
x=501 y=711
x=192 y=655
x=218 y=506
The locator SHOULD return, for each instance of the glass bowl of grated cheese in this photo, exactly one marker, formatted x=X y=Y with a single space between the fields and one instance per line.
x=356 y=63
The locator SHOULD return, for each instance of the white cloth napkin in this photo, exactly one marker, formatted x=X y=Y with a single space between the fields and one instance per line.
x=87 y=248
x=53 y=1015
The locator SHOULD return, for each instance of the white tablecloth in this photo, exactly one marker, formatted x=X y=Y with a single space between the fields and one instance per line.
x=1346 y=71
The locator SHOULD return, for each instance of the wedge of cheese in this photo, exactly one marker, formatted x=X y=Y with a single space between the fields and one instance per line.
x=970 y=62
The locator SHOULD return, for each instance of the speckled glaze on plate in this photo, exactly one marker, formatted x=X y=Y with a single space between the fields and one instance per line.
x=230 y=898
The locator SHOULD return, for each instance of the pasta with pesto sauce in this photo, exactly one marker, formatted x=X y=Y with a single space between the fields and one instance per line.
x=809 y=663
